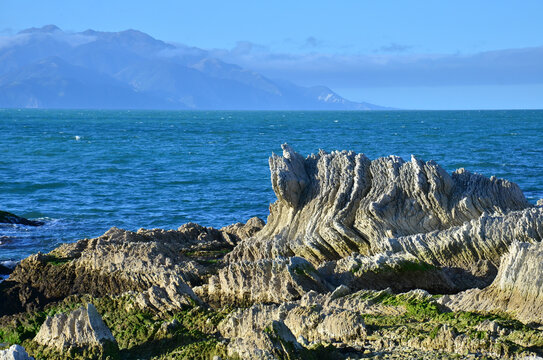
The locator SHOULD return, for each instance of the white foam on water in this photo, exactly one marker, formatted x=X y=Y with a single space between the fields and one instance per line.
x=9 y=263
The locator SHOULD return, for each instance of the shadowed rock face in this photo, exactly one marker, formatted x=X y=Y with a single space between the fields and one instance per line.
x=517 y=289
x=331 y=205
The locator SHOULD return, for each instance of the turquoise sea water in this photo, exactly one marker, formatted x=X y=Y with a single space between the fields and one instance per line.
x=86 y=171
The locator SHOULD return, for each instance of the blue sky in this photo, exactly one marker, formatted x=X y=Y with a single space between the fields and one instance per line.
x=407 y=54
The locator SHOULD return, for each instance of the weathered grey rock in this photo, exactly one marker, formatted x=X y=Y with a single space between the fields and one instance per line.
x=517 y=289
x=314 y=324
x=82 y=328
x=446 y=261
x=158 y=264
x=389 y=223
x=15 y=352
x=258 y=333
x=264 y=281
x=236 y=232
x=485 y=238
x=330 y=205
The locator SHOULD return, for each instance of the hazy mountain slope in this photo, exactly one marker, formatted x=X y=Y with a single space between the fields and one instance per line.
x=52 y=83
x=48 y=68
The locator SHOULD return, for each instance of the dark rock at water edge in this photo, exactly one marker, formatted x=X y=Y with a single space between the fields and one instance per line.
x=4 y=270
x=9 y=218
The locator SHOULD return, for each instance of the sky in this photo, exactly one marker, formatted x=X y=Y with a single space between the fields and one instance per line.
x=405 y=54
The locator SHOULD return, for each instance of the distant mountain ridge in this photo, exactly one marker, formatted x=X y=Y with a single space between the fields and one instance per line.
x=49 y=68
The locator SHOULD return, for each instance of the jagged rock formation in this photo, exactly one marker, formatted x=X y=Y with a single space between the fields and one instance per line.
x=330 y=205
x=263 y=281
x=406 y=326
x=451 y=260
x=239 y=231
x=428 y=229
x=300 y=325
x=401 y=272
x=160 y=266
x=486 y=238
x=82 y=328
x=517 y=289
x=15 y=352
x=343 y=268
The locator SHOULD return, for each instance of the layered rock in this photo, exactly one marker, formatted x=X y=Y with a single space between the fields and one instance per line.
x=263 y=281
x=390 y=223
x=159 y=265
x=275 y=341
x=407 y=326
x=517 y=289
x=446 y=261
x=341 y=223
x=301 y=325
x=401 y=272
x=239 y=231
x=330 y=205
x=486 y=238
x=82 y=328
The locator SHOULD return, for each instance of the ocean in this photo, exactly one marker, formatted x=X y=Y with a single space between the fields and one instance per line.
x=84 y=171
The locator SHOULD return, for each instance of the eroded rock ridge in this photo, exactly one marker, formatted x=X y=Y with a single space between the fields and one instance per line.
x=359 y=258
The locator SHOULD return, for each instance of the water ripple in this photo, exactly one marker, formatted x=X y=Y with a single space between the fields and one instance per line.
x=162 y=169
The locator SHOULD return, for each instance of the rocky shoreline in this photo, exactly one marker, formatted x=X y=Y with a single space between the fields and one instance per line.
x=359 y=258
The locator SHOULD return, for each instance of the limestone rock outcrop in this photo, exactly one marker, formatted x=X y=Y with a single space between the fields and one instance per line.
x=446 y=261
x=517 y=289
x=240 y=231
x=486 y=238
x=275 y=341
x=15 y=352
x=351 y=262
x=401 y=272
x=330 y=205
x=82 y=328
x=262 y=281
x=160 y=266
x=302 y=325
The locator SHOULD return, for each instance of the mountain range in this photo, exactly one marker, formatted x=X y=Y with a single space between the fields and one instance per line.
x=49 y=68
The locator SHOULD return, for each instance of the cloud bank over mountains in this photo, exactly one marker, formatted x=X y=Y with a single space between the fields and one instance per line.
x=393 y=65
x=48 y=68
